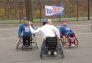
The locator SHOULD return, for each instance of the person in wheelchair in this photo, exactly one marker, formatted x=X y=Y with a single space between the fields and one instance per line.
x=25 y=32
x=67 y=32
x=48 y=31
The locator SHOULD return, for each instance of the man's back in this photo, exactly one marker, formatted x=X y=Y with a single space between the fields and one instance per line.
x=48 y=30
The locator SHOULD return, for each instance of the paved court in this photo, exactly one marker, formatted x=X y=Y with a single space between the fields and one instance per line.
x=9 y=54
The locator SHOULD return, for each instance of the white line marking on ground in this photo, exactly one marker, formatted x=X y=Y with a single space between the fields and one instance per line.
x=17 y=37
x=10 y=29
x=81 y=25
x=8 y=37
x=84 y=33
x=37 y=27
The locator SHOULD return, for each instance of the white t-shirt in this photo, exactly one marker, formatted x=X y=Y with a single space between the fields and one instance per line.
x=48 y=31
x=32 y=30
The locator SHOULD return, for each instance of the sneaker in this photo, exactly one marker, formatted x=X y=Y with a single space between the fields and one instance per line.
x=67 y=44
x=55 y=53
x=73 y=45
x=49 y=52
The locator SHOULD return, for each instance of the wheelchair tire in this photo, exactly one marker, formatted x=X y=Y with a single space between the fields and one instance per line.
x=36 y=46
x=76 y=42
x=62 y=56
x=34 y=41
x=62 y=53
x=41 y=54
x=18 y=44
x=64 y=41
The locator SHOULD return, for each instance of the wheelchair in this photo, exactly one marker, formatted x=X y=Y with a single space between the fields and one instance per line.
x=33 y=43
x=51 y=44
x=67 y=40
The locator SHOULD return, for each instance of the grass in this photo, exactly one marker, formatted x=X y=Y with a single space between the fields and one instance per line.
x=9 y=21
x=39 y=20
x=57 y=19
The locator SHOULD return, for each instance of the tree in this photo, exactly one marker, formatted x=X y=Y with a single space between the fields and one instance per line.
x=28 y=6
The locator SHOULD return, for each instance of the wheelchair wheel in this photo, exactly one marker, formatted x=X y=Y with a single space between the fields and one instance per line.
x=33 y=40
x=76 y=42
x=62 y=56
x=61 y=53
x=41 y=54
x=60 y=50
x=19 y=43
x=64 y=41
x=36 y=46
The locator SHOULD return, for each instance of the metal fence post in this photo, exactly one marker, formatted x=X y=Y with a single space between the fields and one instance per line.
x=20 y=11
x=77 y=11
x=8 y=4
x=88 y=9
x=40 y=10
x=28 y=5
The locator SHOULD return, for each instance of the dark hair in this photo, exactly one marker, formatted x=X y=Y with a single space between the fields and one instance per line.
x=44 y=23
x=26 y=18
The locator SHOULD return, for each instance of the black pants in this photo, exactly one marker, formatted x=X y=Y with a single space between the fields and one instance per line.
x=26 y=40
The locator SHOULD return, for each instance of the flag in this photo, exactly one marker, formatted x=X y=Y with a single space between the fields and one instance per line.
x=54 y=10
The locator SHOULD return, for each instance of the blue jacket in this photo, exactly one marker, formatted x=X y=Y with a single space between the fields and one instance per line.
x=66 y=30
x=24 y=30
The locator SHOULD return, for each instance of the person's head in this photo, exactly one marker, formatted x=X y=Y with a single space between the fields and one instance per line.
x=26 y=21
x=44 y=21
x=65 y=22
x=23 y=19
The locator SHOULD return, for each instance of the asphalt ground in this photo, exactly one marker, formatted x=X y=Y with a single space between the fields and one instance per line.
x=9 y=54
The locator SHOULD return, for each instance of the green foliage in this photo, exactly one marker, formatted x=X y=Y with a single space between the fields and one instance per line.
x=2 y=12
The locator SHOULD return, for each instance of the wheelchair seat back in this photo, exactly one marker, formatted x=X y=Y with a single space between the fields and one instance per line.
x=51 y=42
